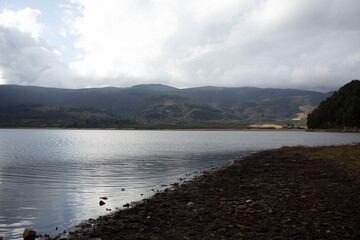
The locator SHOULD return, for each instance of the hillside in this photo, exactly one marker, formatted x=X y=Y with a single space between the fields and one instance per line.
x=153 y=103
x=341 y=110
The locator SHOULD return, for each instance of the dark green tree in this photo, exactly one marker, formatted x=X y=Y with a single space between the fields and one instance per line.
x=340 y=110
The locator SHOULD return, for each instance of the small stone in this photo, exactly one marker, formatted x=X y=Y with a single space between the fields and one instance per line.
x=152 y=189
x=126 y=205
x=148 y=217
x=29 y=234
x=101 y=202
x=328 y=231
x=104 y=198
x=190 y=204
x=108 y=209
x=248 y=201
x=123 y=189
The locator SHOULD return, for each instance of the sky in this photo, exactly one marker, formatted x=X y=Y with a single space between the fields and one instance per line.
x=303 y=44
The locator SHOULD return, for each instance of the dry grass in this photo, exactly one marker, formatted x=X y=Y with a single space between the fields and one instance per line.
x=348 y=155
x=265 y=126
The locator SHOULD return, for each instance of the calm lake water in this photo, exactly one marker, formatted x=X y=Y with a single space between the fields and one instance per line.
x=54 y=178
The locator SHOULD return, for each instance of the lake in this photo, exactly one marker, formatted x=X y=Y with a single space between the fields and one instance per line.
x=53 y=179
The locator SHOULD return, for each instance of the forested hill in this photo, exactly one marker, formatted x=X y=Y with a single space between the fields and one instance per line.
x=155 y=102
x=341 y=110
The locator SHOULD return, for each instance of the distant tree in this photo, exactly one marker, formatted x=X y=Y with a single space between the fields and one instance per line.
x=340 y=110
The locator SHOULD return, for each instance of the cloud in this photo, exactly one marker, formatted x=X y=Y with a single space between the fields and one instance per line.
x=2 y=80
x=25 y=20
x=25 y=58
x=27 y=61
x=306 y=44
x=265 y=43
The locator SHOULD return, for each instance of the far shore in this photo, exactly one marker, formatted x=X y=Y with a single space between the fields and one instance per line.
x=344 y=130
x=165 y=129
x=348 y=130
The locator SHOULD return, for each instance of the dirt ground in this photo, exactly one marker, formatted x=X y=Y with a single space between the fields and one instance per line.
x=275 y=194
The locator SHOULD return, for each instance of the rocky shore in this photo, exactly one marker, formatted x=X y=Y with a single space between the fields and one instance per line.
x=275 y=194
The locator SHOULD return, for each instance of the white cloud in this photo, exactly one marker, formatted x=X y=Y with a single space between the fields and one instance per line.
x=2 y=80
x=228 y=43
x=147 y=39
x=26 y=61
x=184 y=43
x=25 y=20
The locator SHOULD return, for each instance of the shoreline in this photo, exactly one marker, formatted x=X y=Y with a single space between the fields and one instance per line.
x=350 y=130
x=347 y=130
x=282 y=193
x=169 y=129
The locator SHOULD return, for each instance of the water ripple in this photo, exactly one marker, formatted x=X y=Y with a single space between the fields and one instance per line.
x=54 y=178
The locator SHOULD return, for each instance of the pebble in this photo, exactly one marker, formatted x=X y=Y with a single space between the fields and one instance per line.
x=104 y=198
x=101 y=203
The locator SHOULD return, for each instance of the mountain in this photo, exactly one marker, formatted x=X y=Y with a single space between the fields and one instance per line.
x=156 y=102
x=341 y=110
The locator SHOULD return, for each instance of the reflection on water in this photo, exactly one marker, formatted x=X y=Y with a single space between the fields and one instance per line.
x=54 y=178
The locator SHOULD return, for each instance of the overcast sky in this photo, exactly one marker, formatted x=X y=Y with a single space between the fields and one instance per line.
x=303 y=44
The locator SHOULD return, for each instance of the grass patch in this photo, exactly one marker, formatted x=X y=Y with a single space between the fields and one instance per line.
x=348 y=155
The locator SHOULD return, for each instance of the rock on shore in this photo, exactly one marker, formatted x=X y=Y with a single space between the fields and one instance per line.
x=276 y=194
x=29 y=234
